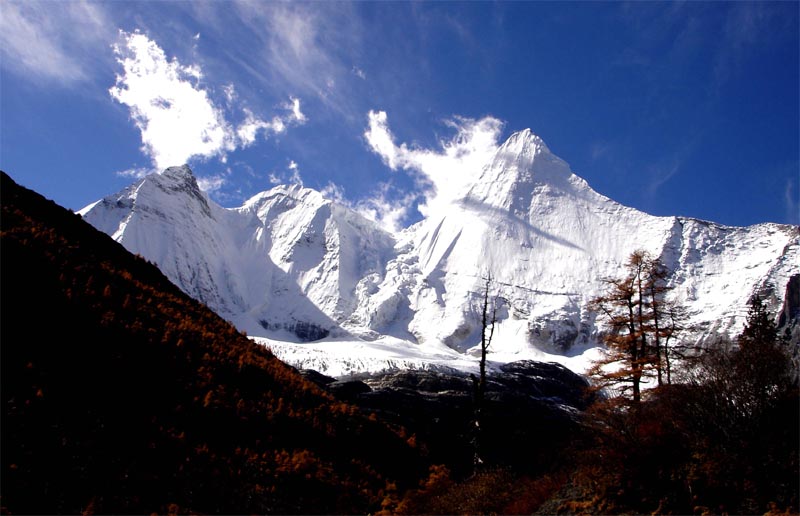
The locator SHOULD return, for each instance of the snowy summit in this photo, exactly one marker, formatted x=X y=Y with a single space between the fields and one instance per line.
x=291 y=267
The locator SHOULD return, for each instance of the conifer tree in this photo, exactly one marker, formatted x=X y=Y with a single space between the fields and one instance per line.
x=625 y=358
x=640 y=323
x=760 y=328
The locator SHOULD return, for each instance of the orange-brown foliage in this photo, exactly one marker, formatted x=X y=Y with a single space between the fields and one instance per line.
x=121 y=394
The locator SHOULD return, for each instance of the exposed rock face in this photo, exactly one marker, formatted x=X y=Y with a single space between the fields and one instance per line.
x=531 y=410
x=789 y=322
x=790 y=314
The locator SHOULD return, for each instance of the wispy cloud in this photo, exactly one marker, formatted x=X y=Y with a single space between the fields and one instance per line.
x=445 y=172
x=295 y=178
x=389 y=212
x=663 y=171
x=748 y=26
x=791 y=199
x=292 y=48
x=211 y=184
x=135 y=173
x=599 y=149
x=248 y=130
x=302 y=48
x=289 y=176
x=384 y=208
x=175 y=114
x=53 y=41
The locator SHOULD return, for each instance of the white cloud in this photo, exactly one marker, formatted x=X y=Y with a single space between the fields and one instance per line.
x=791 y=202
x=135 y=173
x=390 y=214
x=176 y=116
x=290 y=176
x=177 y=119
x=55 y=41
x=381 y=140
x=211 y=184
x=230 y=93
x=248 y=130
x=335 y=193
x=358 y=72
x=298 y=115
x=448 y=170
x=295 y=177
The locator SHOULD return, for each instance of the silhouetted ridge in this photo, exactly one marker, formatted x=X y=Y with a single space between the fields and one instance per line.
x=123 y=395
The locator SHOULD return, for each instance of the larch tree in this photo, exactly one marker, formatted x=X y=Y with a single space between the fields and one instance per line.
x=673 y=322
x=640 y=323
x=665 y=316
x=620 y=364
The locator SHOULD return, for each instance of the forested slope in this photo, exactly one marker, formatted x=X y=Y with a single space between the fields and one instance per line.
x=121 y=394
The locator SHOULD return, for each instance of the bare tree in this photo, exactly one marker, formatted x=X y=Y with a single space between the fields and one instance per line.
x=488 y=321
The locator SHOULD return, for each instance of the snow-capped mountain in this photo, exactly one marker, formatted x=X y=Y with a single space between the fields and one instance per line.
x=292 y=266
x=286 y=264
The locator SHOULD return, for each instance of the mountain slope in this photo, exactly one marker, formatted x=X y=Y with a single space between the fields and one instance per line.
x=287 y=263
x=123 y=395
x=297 y=267
x=549 y=241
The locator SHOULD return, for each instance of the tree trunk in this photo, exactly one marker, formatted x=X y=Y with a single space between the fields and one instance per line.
x=479 y=384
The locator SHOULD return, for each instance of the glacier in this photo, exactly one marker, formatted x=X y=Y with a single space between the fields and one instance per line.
x=328 y=289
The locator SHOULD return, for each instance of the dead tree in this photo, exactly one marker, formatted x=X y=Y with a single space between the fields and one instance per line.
x=488 y=320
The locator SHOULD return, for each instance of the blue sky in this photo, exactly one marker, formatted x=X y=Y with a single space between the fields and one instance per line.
x=673 y=108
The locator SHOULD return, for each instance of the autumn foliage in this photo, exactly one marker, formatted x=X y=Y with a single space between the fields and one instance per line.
x=121 y=394
x=725 y=440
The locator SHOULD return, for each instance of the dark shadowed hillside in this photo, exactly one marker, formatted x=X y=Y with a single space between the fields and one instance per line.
x=121 y=394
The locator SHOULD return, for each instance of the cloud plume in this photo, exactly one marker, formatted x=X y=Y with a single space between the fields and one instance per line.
x=443 y=173
x=175 y=114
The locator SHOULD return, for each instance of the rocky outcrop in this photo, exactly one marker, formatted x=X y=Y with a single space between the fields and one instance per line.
x=531 y=412
x=789 y=322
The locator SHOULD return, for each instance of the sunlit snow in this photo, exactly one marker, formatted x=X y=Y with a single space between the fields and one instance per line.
x=290 y=266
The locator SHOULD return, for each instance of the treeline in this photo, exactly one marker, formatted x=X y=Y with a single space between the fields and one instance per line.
x=716 y=430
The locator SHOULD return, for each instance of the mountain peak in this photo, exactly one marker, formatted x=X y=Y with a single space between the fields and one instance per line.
x=525 y=141
x=179 y=178
x=175 y=180
x=520 y=164
x=523 y=148
x=289 y=265
x=182 y=172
